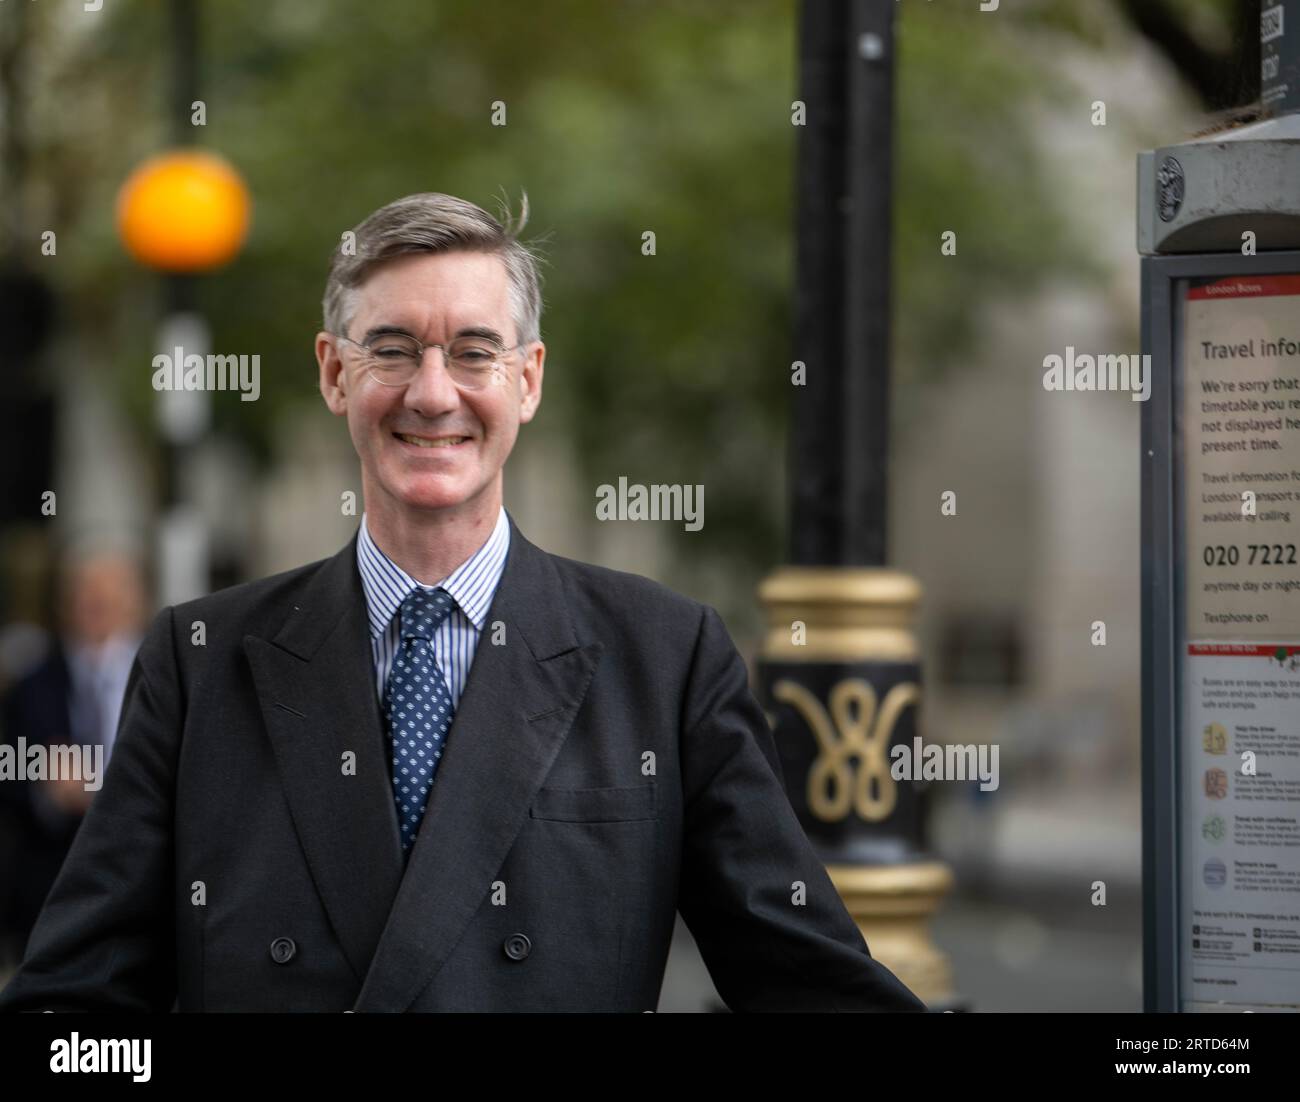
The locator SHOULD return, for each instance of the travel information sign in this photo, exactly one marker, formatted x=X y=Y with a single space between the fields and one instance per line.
x=1221 y=632
x=1240 y=733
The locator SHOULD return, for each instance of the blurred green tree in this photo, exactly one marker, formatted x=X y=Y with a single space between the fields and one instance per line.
x=622 y=116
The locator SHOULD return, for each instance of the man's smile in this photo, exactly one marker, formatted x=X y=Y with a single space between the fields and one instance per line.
x=445 y=441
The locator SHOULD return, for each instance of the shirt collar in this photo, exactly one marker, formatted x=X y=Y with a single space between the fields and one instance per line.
x=471 y=585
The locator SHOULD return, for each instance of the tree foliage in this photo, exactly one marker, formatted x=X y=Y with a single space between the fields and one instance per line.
x=622 y=117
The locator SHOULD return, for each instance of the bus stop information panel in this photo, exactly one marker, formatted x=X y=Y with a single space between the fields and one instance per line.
x=1235 y=699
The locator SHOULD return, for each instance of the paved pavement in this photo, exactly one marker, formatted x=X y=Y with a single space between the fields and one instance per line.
x=1022 y=929
x=1042 y=953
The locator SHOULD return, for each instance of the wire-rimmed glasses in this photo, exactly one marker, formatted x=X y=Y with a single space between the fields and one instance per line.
x=394 y=358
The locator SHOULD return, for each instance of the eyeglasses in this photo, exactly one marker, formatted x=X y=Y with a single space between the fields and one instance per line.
x=393 y=359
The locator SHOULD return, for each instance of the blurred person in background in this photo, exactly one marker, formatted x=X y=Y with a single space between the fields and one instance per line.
x=73 y=696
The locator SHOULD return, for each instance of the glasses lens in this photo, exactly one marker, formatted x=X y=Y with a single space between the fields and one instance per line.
x=472 y=360
x=394 y=357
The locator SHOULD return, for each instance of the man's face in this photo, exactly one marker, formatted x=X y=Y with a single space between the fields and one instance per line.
x=432 y=296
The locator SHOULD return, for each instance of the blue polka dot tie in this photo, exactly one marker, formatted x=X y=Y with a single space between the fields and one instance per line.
x=418 y=707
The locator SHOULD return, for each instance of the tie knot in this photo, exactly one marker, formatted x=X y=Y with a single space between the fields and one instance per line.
x=423 y=610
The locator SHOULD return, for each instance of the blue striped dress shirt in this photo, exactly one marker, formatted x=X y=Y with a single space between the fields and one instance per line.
x=471 y=585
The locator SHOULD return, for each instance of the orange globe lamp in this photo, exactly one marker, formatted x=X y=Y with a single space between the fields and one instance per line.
x=183 y=211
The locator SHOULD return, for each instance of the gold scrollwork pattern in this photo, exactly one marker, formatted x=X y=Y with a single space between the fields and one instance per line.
x=853 y=727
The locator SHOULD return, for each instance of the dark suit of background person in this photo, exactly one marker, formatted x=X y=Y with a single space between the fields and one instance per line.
x=606 y=765
x=73 y=696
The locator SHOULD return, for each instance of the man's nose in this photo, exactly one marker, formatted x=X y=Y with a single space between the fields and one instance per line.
x=431 y=389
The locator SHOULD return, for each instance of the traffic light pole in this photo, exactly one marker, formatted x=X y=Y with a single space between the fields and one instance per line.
x=183 y=538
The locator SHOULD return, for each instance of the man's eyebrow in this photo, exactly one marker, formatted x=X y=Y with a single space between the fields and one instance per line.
x=468 y=331
x=381 y=330
x=481 y=331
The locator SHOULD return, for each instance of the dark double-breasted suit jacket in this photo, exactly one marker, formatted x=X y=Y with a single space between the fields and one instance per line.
x=607 y=767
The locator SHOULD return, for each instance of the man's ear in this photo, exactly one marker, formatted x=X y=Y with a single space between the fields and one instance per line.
x=333 y=379
x=530 y=381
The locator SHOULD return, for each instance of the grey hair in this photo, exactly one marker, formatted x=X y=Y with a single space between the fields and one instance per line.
x=431 y=222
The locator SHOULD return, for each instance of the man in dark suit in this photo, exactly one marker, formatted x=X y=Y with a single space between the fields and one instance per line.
x=314 y=805
x=72 y=697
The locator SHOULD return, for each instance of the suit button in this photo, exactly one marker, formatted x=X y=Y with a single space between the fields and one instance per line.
x=283 y=950
x=517 y=946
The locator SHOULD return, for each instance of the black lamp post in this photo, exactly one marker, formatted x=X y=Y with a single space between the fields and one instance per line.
x=840 y=671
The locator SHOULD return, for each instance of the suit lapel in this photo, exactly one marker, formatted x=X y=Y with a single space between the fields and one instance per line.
x=518 y=705
x=315 y=685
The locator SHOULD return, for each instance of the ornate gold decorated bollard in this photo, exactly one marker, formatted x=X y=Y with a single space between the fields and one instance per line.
x=840 y=678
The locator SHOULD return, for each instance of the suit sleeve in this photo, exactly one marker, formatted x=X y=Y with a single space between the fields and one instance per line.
x=743 y=852
x=105 y=938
